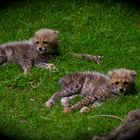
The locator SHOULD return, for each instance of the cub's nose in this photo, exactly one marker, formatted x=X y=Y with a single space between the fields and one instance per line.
x=40 y=49
x=121 y=89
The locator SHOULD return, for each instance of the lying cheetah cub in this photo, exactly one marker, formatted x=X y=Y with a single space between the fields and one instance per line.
x=33 y=52
x=93 y=86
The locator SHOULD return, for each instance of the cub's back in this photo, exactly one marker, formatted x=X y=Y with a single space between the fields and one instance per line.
x=93 y=78
x=15 y=50
x=18 y=46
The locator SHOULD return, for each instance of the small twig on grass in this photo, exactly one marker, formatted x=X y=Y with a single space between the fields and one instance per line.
x=109 y=116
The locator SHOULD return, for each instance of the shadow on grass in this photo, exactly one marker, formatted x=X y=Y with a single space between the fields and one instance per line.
x=9 y=3
x=4 y=136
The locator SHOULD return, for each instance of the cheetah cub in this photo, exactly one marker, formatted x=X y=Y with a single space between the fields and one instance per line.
x=94 y=87
x=32 y=52
x=129 y=129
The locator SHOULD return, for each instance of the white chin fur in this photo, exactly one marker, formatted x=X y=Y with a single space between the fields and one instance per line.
x=42 y=52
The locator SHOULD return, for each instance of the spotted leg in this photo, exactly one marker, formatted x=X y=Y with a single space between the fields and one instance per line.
x=86 y=101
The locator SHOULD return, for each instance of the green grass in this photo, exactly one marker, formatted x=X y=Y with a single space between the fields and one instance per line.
x=109 y=28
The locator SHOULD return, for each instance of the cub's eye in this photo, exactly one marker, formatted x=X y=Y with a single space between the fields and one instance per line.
x=45 y=42
x=37 y=42
x=125 y=83
x=116 y=83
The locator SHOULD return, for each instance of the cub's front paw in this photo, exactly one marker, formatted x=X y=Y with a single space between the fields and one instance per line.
x=51 y=67
x=49 y=104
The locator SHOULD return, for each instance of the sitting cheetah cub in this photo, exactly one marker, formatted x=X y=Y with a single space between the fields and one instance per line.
x=93 y=86
x=33 y=52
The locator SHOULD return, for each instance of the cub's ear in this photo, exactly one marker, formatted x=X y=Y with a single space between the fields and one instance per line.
x=56 y=32
x=110 y=73
x=133 y=73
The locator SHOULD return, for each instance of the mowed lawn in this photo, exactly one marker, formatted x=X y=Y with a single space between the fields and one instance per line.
x=110 y=28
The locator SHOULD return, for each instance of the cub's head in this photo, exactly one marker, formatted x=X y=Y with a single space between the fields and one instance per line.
x=46 y=41
x=123 y=80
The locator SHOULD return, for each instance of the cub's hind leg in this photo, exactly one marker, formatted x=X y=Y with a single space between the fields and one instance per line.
x=55 y=97
x=71 y=85
x=66 y=92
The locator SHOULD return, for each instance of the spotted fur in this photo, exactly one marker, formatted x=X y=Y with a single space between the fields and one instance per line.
x=93 y=86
